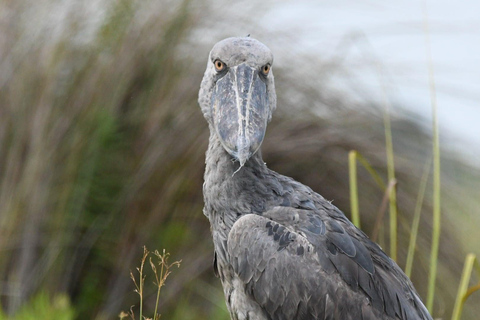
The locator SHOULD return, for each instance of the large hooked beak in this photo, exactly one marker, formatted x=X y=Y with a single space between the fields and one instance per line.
x=240 y=111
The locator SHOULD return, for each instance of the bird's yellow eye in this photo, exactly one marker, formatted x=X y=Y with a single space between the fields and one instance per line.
x=266 y=69
x=219 y=65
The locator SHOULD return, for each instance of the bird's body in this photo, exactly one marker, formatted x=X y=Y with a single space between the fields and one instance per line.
x=281 y=250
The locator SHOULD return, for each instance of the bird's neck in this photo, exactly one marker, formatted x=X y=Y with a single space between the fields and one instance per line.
x=228 y=189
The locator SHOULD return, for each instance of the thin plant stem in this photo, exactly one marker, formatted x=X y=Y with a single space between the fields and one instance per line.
x=141 y=281
x=164 y=273
x=462 y=288
x=370 y=170
x=159 y=284
x=416 y=218
x=436 y=171
x=353 y=157
x=390 y=166
x=352 y=165
x=391 y=177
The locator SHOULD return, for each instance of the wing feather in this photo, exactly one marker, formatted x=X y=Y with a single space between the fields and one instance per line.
x=299 y=264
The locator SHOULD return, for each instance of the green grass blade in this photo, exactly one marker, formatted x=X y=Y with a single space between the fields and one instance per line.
x=353 y=157
x=436 y=173
x=462 y=288
x=391 y=177
x=370 y=170
x=416 y=218
x=352 y=167
x=436 y=217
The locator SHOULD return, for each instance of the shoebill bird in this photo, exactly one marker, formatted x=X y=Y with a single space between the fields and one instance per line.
x=282 y=251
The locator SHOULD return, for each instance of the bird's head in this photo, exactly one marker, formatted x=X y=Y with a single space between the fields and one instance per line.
x=237 y=94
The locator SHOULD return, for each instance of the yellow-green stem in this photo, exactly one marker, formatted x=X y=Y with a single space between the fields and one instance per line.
x=436 y=173
x=391 y=177
x=416 y=218
x=141 y=292
x=352 y=165
x=370 y=170
x=462 y=288
x=160 y=284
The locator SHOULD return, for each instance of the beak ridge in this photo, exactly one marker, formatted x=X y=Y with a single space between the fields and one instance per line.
x=240 y=111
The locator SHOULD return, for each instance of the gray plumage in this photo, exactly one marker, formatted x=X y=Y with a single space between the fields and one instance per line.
x=281 y=250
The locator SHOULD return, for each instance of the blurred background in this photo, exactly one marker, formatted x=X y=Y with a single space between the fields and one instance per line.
x=102 y=142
